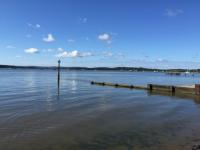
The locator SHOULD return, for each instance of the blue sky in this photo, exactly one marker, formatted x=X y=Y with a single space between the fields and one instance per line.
x=91 y=33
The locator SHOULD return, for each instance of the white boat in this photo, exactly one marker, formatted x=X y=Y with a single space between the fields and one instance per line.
x=187 y=72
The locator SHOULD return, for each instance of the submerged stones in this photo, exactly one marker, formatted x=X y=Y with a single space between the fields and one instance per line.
x=196 y=147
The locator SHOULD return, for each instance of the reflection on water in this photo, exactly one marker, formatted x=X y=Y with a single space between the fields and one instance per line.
x=74 y=86
x=30 y=81
x=36 y=113
x=195 y=98
x=58 y=89
x=49 y=100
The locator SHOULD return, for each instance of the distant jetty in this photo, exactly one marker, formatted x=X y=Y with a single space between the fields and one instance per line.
x=174 y=73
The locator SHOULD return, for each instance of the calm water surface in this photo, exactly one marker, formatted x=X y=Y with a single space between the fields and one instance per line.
x=87 y=117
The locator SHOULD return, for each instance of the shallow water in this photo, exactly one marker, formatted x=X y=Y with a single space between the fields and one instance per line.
x=89 y=117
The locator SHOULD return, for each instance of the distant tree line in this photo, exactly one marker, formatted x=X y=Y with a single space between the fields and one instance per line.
x=138 y=69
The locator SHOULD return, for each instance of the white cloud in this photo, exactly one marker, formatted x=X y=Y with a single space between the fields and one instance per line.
x=120 y=55
x=18 y=56
x=86 y=54
x=49 y=38
x=73 y=54
x=71 y=40
x=87 y=38
x=31 y=50
x=28 y=35
x=108 y=54
x=105 y=37
x=61 y=49
x=10 y=47
x=114 y=55
x=36 y=26
x=29 y=24
x=62 y=54
x=48 y=50
x=109 y=41
x=173 y=13
x=83 y=20
x=161 y=60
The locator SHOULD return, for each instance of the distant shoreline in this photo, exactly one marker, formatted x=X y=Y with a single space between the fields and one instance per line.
x=131 y=69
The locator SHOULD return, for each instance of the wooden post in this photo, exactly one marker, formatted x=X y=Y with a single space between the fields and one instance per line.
x=150 y=87
x=59 y=73
x=197 y=89
x=173 y=89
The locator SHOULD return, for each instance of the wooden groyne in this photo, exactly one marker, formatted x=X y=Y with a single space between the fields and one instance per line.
x=119 y=85
x=172 y=89
x=157 y=88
